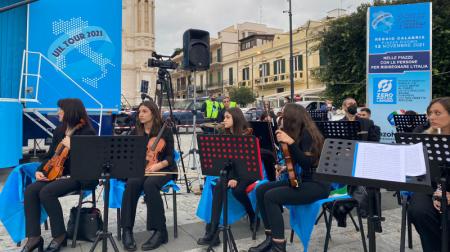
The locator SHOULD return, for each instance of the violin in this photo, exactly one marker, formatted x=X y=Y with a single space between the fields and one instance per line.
x=293 y=182
x=54 y=168
x=155 y=146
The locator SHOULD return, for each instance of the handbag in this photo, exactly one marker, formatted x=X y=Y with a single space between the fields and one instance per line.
x=89 y=224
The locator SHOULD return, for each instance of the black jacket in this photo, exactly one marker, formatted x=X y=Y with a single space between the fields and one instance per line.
x=58 y=136
x=297 y=151
x=370 y=132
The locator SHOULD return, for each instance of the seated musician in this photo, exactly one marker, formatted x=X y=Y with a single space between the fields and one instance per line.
x=304 y=142
x=424 y=209
x=369 y=131
x=235 y=124
x=46 y=190
x=148 y=124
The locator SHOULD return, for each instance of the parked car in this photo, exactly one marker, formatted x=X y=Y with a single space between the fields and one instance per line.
x=253 y=114
x=183 y=112
x=312 y=105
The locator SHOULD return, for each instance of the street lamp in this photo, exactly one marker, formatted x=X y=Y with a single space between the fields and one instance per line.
x=291 y=56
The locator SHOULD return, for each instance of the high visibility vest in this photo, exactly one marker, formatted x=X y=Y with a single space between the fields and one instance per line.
x=212 y=109
x=232 y=104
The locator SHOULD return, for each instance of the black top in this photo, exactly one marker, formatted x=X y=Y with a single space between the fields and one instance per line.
x=297 y=151
x=58 y=136
x=367 y=125
x=167 y=153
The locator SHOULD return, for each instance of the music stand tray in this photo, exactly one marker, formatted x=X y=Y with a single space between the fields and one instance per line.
x=337 y=163
x=340 y=129
x=407 y=123
x=103 y=157
x=222 y=155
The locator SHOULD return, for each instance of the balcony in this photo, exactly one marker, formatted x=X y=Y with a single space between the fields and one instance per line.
x=245 y=83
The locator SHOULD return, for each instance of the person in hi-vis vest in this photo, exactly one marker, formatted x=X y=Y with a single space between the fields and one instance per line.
x=224 y=105
x=211 y=108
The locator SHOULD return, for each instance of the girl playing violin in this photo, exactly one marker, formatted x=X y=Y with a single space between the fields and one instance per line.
x=46 y=191
x=148 y=124
x=234 y=123
x=304 y=144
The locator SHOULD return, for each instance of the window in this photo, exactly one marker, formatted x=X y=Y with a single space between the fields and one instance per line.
x=219 y=55
x=210 y=79
x=279 y=67
x=230 y=76
x=298 y=63
x=246 y=73
x=219 y=77
x=323 y=57
x=264 y=70
x=280 y=90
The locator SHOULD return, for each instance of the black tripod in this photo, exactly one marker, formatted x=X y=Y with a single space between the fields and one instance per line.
x=228 y=239
x=104 y=235
x=166 y=85
x=444 y=213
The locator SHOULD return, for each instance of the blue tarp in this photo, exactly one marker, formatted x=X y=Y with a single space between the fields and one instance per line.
x=12 y=213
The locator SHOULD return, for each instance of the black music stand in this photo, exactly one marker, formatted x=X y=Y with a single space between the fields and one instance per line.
x=268 y=143
x=222 y=155
x=94 y=157
x=318 y=115
x=438 y=150
x=407 y=123
x=340 y=129
x=336 y=165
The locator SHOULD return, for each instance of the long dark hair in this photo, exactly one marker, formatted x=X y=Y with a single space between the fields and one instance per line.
x=74 y=112
x=157 y=120
x=296 y=121
x=240 y=124
x=445 y=102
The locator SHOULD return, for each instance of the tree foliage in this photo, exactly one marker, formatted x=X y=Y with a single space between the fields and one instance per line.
x=344 y=44
x=242 y=96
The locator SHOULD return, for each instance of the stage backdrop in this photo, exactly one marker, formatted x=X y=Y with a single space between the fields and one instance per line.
x=84 y=39
x=398 y=62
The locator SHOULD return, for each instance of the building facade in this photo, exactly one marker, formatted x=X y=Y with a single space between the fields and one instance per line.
x=138 y=43
x=257 y=57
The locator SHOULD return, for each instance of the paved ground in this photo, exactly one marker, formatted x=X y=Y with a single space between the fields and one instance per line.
x=190 y=228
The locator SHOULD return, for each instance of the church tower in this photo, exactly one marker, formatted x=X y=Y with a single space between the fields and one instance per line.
x=138 y=43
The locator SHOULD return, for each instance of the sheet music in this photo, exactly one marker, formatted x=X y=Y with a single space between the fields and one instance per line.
x=380 y=161
x=415 y=160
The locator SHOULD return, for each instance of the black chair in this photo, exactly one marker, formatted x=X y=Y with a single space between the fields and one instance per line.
x=80 y=204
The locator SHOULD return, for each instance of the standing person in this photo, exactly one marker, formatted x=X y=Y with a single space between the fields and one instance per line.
x=424 y=209
x=211 y=108
x=365 y=113
x=148 y=124
x=368 y=129
x=74 y=121
x=268 y=115
x=235 y=124
x=305 y=144
x=226 y=104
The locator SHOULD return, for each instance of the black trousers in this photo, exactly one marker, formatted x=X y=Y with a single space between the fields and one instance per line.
x=272 y=195
x=239 y=192
x=156 y=220
x=426 y=220
x=47 y=194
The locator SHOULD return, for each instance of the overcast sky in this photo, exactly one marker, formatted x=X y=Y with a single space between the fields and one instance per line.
x=173 y=17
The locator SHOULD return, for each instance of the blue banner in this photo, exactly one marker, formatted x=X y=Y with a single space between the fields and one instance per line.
x=83 y=39
x=398 y=62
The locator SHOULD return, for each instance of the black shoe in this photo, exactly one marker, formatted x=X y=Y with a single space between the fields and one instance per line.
x=278 y=246
x=254 y=225
x=54 y=246
x=159 y=237
x=207 y=239
x=128 y=241
x=33 y=244
x=263 y=246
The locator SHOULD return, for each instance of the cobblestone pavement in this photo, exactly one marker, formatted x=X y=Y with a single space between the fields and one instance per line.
x=190 y=228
